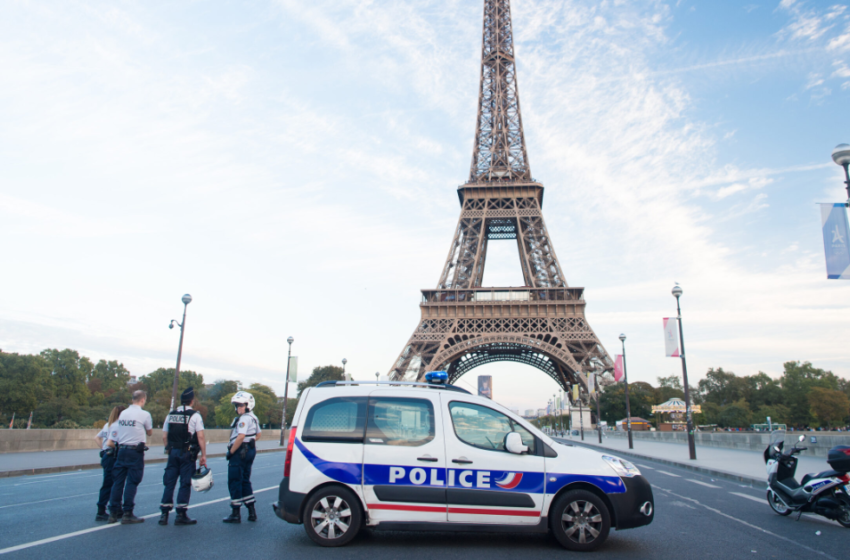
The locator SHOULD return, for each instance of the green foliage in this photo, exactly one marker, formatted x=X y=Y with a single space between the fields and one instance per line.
x=323 y=373
x=25 y=381
x=70 y=373
x=66 y=425
x=829 y=406
x=797 y=381
x=736 y=415
x=163 y=379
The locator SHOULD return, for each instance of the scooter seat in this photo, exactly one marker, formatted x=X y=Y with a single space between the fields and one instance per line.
x=824 y=474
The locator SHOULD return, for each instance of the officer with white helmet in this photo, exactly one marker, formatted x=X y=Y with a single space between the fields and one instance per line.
x=133 y=425
x=245 y=431
x=183 y=437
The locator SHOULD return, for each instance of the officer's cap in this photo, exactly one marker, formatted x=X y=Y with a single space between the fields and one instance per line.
x=187 y=396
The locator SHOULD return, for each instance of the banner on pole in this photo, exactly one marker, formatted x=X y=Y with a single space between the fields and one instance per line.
x=29 y=422
x=618 y=368
x=836 y=240
x=591 y=383
x=575 y=393
x=293 y=369
x=671 y=337
x=485 y=386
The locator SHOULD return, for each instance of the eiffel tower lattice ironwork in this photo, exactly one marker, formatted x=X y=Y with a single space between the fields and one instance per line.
x=465 y=325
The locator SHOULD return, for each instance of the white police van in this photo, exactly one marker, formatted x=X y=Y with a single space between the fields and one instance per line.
x=430 y=456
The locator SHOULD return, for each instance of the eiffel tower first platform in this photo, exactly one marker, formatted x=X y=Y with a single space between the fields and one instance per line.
x=465 y=325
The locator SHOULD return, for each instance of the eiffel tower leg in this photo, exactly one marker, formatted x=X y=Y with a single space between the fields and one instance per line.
x=419 y=352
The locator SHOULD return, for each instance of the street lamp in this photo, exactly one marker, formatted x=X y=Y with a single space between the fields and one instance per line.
x=598 y=417
x=377 y=377
x=289 y=340
x=186 y=299
x=344 y=361
x=628 y=404
x=841 y=156
x=692 y=448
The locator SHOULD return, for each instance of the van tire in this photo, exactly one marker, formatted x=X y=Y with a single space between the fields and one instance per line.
x=332 y=516
x=580 y=515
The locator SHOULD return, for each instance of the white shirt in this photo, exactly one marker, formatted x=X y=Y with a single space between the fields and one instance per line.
x=196 y=422
x=132 y=426
x=247 y=424
x=104 y=435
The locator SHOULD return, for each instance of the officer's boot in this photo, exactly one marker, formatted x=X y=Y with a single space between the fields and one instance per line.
x=130 y=519
x=101 y=514
x=114 y=517
x=235 y=515
x=252 y=512
x=183 y=519
x=163 y=519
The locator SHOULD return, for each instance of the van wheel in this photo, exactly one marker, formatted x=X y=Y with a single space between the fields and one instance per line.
x=332 y=516
x=580 y=520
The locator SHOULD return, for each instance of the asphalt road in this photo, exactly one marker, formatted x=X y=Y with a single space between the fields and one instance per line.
x=696 y=517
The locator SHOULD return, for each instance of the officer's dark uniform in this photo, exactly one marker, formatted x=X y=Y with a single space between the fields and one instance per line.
x=239 y=467
x=130 y=465
x=182 y=449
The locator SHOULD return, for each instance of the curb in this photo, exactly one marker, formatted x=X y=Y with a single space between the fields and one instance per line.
x=758 y=483
x=67 y=468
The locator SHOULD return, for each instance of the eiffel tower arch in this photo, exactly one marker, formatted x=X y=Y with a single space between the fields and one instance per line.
x=464 y=325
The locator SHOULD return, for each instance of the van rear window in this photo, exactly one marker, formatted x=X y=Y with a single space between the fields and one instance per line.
x=341 y=419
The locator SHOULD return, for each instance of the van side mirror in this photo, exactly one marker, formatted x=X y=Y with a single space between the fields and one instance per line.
x=513 y=443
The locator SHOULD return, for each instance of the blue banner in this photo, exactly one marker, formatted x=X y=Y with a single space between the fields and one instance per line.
x=836 y=240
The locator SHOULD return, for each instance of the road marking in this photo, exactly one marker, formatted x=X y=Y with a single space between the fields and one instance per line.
x=700 y=482
x=644 y=466
x=669 y=474
x=103 y=527
x=742 y=522
x=50 y=500
x=753 y=498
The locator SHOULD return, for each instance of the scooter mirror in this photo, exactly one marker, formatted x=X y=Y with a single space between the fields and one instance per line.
x=801 y=438
x=775 y=448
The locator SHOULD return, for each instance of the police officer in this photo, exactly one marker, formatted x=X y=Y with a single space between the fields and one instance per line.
x=245 y=431
x=133 y=425
x=107 y=461
x=183 y=437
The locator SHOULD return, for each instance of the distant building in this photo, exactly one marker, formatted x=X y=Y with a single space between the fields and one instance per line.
x=530 y=414
x=133 y=380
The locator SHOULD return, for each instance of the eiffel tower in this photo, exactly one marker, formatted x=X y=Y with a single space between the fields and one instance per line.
x=465 y=325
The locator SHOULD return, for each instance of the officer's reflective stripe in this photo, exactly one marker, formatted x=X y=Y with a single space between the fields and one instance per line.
x=248 y=499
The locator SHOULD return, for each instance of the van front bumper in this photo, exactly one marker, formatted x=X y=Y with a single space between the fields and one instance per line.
x=636 y=506
x=288 y=504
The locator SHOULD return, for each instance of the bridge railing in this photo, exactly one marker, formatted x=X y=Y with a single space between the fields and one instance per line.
x=490 y=295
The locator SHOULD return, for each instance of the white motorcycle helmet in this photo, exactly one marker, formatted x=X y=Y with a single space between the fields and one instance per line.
x=202 y=480
x=243 y=397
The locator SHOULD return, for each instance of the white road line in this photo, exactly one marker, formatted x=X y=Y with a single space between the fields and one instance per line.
x=700 y=482
x=50 y=500
x=742 y=522
x=644 y=466
x=753 y=498
x=103 y=527
x=669 y=474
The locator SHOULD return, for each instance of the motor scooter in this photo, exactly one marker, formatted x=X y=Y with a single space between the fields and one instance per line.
x=826 y=493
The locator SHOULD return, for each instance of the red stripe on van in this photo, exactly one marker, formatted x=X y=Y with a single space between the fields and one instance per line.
x=476 y=511
x=397 y=507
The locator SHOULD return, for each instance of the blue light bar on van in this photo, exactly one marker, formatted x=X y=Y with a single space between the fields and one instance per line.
x=437 y=377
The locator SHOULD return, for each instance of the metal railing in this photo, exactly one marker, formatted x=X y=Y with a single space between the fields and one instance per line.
x=489 y=295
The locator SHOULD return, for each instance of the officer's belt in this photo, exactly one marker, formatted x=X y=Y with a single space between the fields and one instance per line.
x=135 y=446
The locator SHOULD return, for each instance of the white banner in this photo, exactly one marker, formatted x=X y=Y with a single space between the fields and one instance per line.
x=591 y=383
x=836 y=240
x=293 y=369
x=671 y=337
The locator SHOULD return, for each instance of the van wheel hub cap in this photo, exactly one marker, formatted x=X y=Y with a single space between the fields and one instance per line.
x=581 y=521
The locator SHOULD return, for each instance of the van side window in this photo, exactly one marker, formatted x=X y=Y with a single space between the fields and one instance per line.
x=484 y=427
x=342 y=420
x=398 y=421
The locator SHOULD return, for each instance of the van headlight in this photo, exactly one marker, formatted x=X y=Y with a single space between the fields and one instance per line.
x=621 y=466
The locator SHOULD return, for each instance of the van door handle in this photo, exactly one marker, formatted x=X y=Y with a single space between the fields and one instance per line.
x=462 y=461
x=429 y=459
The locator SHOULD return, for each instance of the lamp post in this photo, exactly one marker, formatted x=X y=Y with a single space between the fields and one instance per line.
x=377 y=377
x=628 y=404
x=598 y=417
x=580 y=414
x=841 y=156
x=344 y=361
x=692 y=448
x=186 y=299
x=289 y=341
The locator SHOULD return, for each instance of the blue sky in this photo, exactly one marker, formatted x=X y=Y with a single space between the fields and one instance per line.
x=293 y=166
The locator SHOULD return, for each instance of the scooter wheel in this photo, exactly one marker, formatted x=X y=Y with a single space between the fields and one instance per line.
x=845 y=517
x=776 y=505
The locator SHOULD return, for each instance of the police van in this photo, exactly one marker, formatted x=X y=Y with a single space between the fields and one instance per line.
x=431 y=456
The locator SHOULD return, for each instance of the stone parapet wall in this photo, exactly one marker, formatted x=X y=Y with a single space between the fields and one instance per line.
x=748 y=441
x=15 y=441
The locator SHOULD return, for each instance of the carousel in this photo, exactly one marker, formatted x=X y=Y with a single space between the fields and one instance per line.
x=675 y=411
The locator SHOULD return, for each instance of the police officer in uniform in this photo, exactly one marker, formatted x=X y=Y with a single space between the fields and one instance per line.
x=107 y=461
x=183 y=437
x=133 y=425
x=245 y=431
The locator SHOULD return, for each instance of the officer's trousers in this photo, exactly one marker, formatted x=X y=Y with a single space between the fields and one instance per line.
x=239 y=477
x=129 y=468
x=107 y=462
x=182 y=464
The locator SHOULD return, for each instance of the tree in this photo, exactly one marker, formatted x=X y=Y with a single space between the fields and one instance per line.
x=263 y=402
x=163 y=378
x=736 y=415
x=112 y=376
x=669 y=388
x=70 y=373
x=829 y=406
x=25 y=381
x=797 y=381
x=322 y=373
x=722 y=387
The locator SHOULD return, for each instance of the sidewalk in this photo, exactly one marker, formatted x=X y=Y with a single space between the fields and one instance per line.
x=731 y=464
x=17 y=464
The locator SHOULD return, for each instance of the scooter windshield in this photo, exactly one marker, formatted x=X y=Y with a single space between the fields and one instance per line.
x=777 y=437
